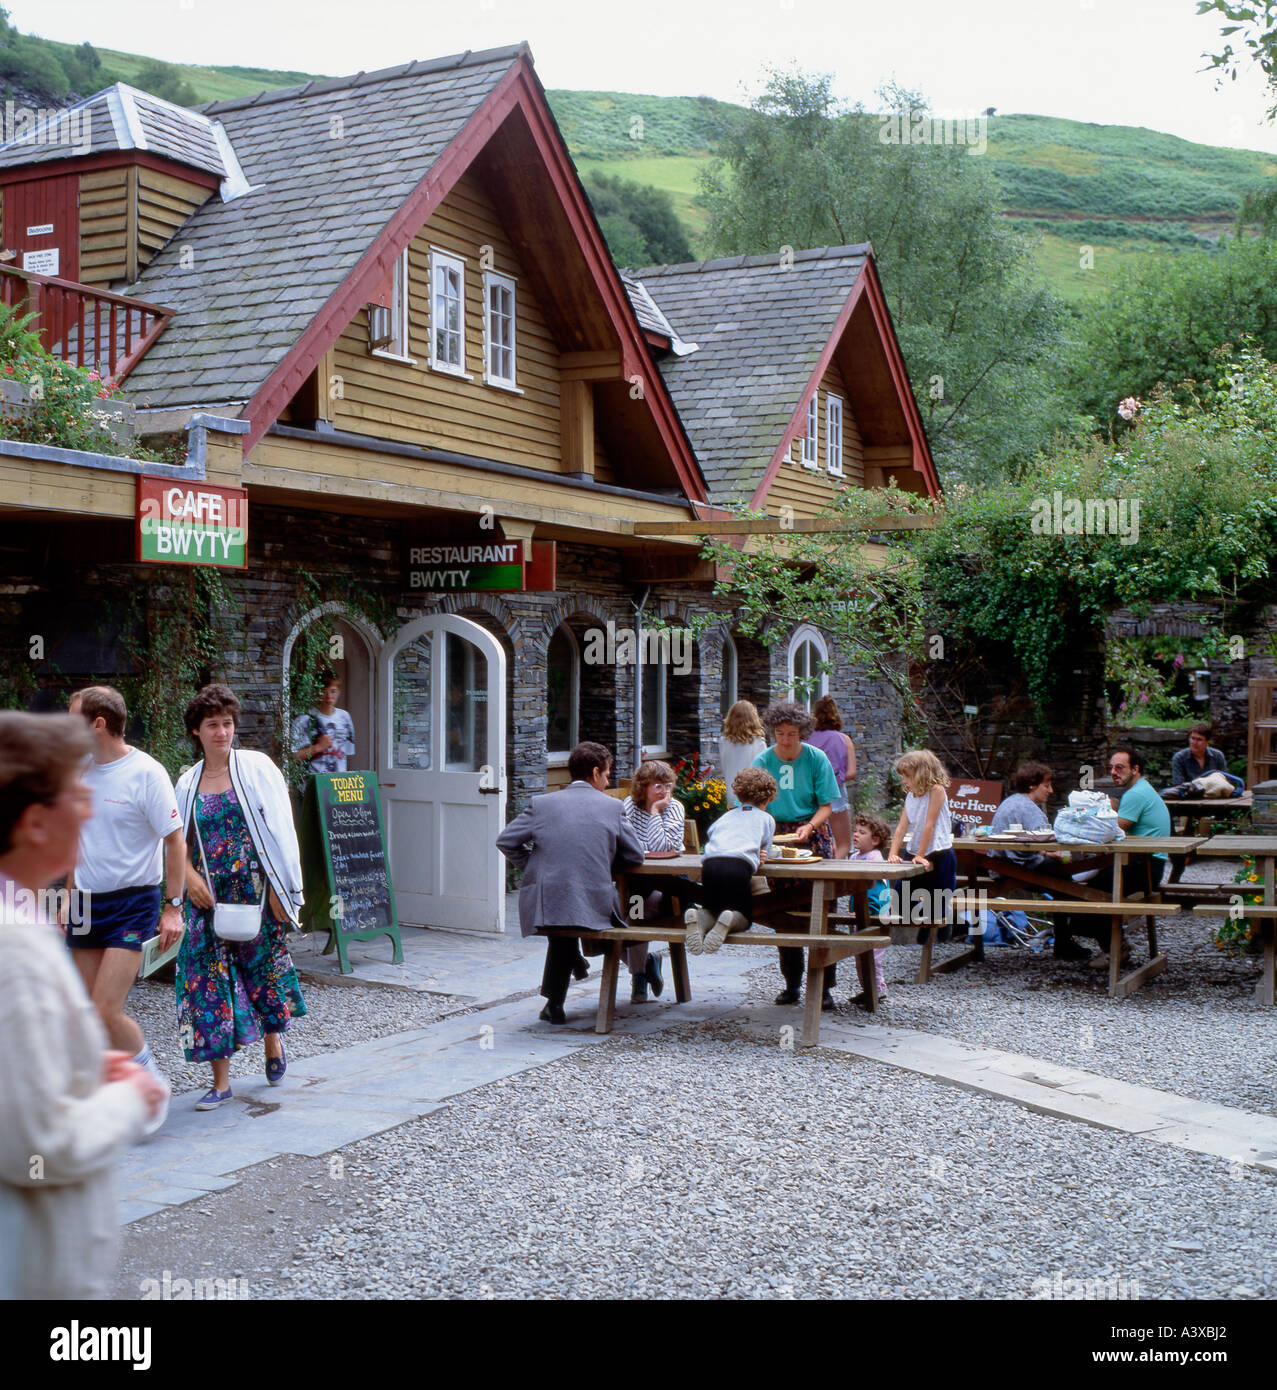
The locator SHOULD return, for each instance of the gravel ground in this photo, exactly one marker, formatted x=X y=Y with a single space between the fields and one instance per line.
x=793 y=1174
x=338 y=1016
x=1196 y=1029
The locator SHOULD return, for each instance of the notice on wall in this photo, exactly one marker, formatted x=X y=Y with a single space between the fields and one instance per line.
x=972 y=802
x=191 y=524
x=42 y=262
x=348 y=888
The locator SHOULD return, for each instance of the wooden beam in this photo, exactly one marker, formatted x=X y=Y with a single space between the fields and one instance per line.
x=667 y=569
x=590 y=366
x=576 y=427
x=774 y=526
x=130 y=228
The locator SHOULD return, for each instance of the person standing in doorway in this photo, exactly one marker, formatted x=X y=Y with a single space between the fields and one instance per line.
x=570 y=844
x=324 y=738
x=135 y=825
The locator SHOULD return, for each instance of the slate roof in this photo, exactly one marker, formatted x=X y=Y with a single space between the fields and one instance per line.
x=123 y=118
x=259 y=268
x=761 y=329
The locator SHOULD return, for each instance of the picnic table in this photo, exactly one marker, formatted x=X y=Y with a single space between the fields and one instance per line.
x=1081 y=899
x=1263 y=849
x=1199 y=814
x=816 y=886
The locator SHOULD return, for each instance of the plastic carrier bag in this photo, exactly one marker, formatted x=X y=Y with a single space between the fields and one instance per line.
x=1089 y=818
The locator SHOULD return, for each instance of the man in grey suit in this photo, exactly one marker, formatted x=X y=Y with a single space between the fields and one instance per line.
x=570 y=845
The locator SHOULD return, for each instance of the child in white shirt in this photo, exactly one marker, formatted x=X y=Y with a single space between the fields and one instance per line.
x=735 y=850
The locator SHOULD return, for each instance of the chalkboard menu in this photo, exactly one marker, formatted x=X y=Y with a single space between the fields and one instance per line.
x=347 y=880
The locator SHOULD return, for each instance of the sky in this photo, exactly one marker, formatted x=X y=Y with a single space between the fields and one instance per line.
x=1112 y=62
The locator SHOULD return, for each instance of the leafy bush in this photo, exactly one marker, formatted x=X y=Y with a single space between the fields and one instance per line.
x=638 y=221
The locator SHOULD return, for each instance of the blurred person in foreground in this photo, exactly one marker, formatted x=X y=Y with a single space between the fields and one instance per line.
x=68 y=1105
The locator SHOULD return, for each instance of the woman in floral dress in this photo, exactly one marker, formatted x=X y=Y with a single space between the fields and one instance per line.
x=232 y=993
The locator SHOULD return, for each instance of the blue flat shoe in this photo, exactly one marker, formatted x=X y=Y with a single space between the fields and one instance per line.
x=212 y=1098
x=276 y=1067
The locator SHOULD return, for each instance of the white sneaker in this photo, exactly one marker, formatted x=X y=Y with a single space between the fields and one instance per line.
x=727 y=921
x=697 y=921
x=157 y=1120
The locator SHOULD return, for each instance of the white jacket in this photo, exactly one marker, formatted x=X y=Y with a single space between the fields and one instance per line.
x=263 y=796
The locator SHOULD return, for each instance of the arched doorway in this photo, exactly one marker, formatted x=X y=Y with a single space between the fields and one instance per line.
x=332 y=638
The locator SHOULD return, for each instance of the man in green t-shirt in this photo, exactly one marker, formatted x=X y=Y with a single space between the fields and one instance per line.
x=1140 y=811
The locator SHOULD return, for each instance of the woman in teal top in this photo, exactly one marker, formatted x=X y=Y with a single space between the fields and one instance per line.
x=807 y=789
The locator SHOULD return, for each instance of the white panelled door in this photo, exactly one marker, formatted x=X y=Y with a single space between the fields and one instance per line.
x=441 y=718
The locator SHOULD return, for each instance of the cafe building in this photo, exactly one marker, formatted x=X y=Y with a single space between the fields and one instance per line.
x=380 y=317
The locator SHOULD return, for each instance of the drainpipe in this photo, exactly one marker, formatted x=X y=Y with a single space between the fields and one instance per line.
x=638 y=658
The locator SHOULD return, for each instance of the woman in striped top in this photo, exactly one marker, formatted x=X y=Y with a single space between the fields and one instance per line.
x=656 y=819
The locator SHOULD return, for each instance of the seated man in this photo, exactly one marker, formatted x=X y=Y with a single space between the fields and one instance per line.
x=1139 y=812
x=1032 y=786
x=1198 y=758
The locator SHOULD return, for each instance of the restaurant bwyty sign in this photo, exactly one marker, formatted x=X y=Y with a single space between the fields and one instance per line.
x=469 y=564
x=191 y=524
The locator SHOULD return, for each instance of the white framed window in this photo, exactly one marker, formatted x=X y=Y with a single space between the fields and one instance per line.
x=652 y=700
x=563 y=695
x=808 y=658
x=809 y=458
x=833 y=435
x=447 y=312
x=395 y=322
x=498 y=330
x=731 y=671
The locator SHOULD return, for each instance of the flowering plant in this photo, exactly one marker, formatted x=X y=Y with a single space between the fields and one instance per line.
x=703 y=796
x=1236 y=936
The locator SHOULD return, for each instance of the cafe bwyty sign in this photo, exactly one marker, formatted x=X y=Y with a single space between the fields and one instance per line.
x=191 y=524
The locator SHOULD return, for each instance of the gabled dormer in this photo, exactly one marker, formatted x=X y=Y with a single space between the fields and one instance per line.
x=794 y=385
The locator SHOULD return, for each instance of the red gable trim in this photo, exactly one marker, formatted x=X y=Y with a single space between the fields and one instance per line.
x=517 y=90
x=108 y=159
x=869 y=288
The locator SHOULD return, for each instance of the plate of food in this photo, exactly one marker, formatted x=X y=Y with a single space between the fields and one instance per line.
x=796 y=855
x=791 y=837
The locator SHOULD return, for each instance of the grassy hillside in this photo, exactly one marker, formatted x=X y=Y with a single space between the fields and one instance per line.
x=1121 y=190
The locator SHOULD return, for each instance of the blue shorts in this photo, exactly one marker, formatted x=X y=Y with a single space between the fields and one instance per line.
x=126 y=919
x=839 y=803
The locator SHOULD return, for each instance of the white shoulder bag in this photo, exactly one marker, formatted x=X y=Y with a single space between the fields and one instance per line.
x=232 y=921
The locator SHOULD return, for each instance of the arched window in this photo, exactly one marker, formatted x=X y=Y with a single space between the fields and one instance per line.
x=563 y=694
x=808 y=658
x=731 y=674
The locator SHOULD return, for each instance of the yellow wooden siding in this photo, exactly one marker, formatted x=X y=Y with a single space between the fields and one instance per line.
x=603 y=470
x=809 y=490
x=104 y=219
x=164 y=204
x=412 y=403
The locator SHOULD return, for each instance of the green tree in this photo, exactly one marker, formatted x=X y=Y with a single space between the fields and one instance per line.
x=164 y=80
x=1167 y=320
x=1252 y=24
x=639 y=221
x=981 y=336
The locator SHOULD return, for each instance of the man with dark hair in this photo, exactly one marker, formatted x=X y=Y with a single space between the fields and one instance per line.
x=1198 y=758
x=570 y=845
x=135 y=825
x=1140 y=811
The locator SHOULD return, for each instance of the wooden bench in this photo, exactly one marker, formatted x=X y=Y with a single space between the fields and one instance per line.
x=831 y=947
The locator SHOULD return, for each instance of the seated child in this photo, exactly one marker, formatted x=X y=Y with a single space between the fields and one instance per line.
x=737 y=845
x=868 y=836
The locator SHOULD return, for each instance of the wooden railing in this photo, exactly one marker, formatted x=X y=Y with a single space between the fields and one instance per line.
x=83 y=325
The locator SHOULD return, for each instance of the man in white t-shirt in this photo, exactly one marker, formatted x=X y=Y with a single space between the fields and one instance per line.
x=135 y=825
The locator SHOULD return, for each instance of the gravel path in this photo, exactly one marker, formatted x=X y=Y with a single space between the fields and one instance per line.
x=338 y=1016
x=698 y=1163
x=1196 y=1029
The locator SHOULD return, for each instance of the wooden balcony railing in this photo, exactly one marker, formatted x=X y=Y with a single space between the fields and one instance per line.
x=83 y=325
